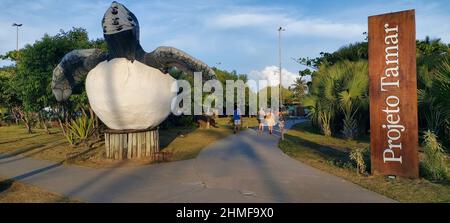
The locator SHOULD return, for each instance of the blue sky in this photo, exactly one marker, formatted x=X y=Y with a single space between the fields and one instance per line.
x=233 y=35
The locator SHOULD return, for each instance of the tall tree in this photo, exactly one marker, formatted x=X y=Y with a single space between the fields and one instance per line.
x=35 y=65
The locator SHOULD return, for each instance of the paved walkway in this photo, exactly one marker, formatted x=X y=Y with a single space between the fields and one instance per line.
x=247 y=167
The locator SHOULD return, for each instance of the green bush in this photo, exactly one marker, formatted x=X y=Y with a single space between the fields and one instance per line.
x=433 y=163
x=80 y=129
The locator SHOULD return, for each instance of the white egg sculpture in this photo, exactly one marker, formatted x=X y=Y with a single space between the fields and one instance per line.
x=129 y=95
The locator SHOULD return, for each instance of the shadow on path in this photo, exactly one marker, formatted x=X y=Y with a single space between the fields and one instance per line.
x=39 y=148
x=20 y=151
x=37 y=171
x=20 y=139
x=245 y=146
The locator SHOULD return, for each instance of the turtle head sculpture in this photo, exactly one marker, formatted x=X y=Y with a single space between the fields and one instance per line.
x=118 y=18
x=127 y=87
x=121 y=32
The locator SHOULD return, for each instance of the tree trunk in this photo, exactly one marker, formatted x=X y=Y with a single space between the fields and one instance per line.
x=26 y=120
x=42 y=121
x=27 y=124
x=61 y=126
x=15 y=115
x=94 y=117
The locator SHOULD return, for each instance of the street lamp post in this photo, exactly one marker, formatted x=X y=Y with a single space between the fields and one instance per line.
x=281 y=29
x=17 y=35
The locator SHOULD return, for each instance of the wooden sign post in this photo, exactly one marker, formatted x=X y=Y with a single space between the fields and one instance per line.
x=393 y=94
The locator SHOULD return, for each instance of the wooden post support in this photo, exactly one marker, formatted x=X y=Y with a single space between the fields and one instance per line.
x=131 y=144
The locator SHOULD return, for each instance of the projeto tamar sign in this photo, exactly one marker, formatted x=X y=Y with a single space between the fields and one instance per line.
x=393 y=94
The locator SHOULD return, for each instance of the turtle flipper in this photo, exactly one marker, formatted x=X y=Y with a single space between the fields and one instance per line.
x=73 y=67
x=164 y=58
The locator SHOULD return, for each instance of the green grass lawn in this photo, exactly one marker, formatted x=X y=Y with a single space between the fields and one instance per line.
x=182 y=142
x=330 y=154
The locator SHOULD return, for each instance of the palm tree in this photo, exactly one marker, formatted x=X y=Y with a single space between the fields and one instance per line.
x=443 y=99
x=320 y=112
x=433 y=81
x=299 y=88
x=338 y=91
x=434 y=100
x=354 y=97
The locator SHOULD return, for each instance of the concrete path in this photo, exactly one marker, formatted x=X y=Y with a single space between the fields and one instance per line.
x=247 y=167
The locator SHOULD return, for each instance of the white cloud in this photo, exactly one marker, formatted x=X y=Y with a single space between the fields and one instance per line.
x=294 y=26
x=270 y=74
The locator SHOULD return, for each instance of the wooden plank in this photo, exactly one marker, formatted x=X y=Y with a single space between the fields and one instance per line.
x=139 y=152
x=111 y=146
x=115 y=145
x=125 y=145
x=145 y=135
x=152 y=150
x=135 y=145
x=139 y=145
x=119 y=148
x=393 y=94
x=107 y=144
x=157 y=141
x=143 y=144
x=130 y=145
x=147 y=144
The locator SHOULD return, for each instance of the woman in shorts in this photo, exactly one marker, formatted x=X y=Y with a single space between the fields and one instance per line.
x=261 y=117
x=270 y=120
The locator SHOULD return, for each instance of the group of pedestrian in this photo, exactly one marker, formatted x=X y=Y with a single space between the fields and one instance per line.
x=267 y=117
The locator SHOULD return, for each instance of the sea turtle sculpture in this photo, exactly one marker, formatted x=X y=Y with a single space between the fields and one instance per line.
x=127 y=87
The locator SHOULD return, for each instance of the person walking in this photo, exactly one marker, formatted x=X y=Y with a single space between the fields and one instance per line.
x=261 y=118
x=237 y=119
x=281 y=122
x=270 y=120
